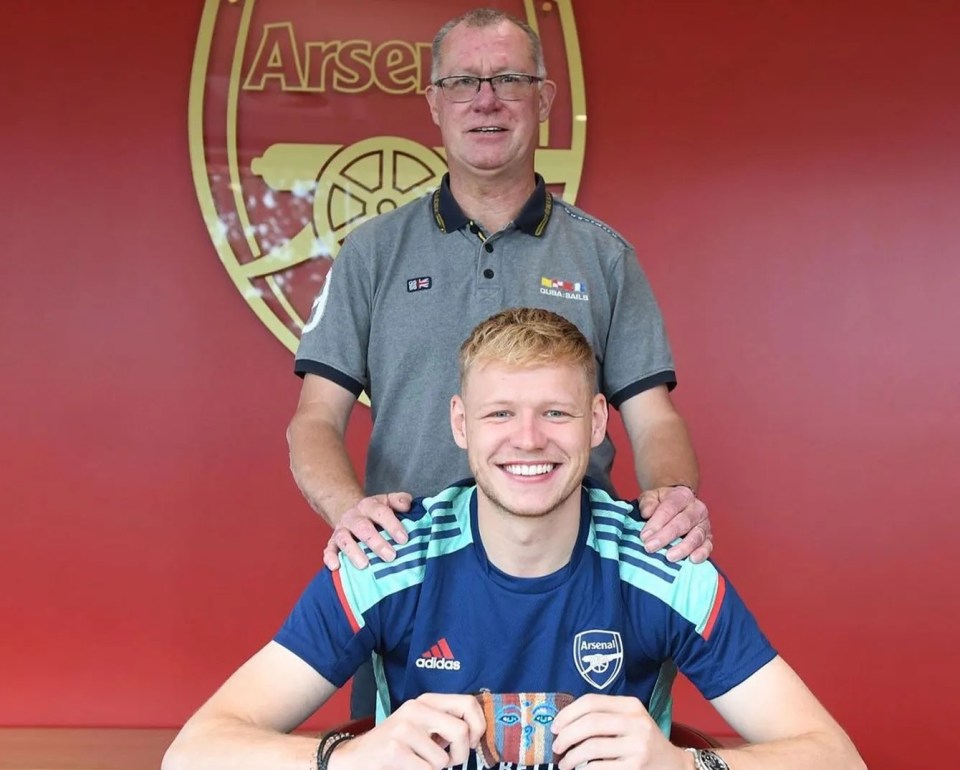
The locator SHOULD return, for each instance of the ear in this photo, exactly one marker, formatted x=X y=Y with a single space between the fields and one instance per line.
x=433 y=99
x=458 y=420
x=548 y=90
x=599 y=415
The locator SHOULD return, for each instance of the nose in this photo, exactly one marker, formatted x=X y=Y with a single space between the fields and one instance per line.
x=486 y=98
x=528 y=434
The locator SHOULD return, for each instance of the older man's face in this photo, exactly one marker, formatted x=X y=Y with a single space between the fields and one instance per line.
x=487 y=135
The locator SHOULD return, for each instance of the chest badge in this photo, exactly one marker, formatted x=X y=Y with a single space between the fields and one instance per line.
x=598 y=655
x=419 y=284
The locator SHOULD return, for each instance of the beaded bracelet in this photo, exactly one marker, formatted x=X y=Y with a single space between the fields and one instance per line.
x=326 y=746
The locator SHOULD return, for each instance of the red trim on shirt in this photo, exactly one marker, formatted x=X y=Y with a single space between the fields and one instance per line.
x=338 y=584
x=717 y=601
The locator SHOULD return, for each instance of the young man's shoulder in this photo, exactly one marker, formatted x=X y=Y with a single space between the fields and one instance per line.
x=433 y=514
x=617 y=526
x=436 y=525
x=679 y=590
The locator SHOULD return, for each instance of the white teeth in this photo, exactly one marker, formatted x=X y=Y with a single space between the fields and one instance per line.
x=529 y=470
x=488 y=129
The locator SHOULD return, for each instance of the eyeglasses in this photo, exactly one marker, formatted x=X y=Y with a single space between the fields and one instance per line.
x=510 y=87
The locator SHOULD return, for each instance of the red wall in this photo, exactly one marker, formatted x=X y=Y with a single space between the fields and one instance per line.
x=789 y=174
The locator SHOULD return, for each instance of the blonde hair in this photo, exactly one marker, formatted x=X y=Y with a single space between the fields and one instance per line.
x=488 y=17
x=528 y=337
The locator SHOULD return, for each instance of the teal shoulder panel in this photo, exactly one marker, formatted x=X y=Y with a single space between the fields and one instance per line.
x=689 y=589
x=436 y=526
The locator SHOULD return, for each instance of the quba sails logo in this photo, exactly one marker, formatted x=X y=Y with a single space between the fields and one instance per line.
x=307 y=119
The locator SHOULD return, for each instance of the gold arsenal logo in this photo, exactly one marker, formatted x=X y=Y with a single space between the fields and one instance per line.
x=306 y=119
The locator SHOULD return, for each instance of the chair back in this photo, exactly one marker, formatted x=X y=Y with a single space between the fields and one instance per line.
x=688 y=737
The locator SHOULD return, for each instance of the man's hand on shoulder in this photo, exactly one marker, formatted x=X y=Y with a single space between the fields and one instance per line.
x=434 y=730
x=613 y=729
x=673 y=512
x=360 y=524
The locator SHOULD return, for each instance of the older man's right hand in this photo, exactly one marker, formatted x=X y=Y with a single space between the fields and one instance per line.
x=363 y=523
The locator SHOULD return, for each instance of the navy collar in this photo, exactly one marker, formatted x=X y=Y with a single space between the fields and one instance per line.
x=534 y=585
x=532 y=219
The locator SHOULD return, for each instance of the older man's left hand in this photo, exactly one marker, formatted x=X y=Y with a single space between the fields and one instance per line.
x=675 y=512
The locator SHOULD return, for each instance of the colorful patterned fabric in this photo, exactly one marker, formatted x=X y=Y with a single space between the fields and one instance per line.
x=518 y=727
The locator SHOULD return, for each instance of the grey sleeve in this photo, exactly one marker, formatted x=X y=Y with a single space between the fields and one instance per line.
x=335 y=339
x=637 y=356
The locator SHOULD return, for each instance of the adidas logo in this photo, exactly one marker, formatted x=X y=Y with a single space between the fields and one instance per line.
x=439 y=657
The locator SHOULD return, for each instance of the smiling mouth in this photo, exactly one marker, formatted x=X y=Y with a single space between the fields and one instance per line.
x=518 y=469
x=487 y=130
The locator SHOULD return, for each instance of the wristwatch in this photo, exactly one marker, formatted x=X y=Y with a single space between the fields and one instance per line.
x=708 y=760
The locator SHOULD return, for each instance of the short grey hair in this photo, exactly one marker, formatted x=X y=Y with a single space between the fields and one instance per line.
x=487 y=17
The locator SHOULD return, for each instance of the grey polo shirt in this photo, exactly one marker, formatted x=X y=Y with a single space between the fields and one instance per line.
x=407 y=288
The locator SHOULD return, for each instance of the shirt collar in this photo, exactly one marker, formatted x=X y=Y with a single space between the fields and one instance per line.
x=532 y=219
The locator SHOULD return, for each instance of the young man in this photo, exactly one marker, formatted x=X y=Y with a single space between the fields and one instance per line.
x=528 y=582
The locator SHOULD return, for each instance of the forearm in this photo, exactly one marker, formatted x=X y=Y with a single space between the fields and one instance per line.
x=785 y=726
x=321 y=467
x=233 y=745
x=812 y=751
x=663 y=454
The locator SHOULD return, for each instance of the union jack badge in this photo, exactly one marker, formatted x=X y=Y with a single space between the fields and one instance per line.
x=419 y=284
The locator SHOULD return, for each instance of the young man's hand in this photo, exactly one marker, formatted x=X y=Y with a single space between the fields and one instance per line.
x=615 y=729
x=434 y=730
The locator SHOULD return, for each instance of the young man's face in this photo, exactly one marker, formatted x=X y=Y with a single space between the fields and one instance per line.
x=488 y=134
x=528 y=433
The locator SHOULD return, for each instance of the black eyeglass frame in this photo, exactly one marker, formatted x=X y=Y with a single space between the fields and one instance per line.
x=492 y=80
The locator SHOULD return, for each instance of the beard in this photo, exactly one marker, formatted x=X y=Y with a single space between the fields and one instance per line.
x=529 y=507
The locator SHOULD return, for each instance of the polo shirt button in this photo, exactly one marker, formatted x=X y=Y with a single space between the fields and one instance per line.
x=488 y=273
x=488 y=247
